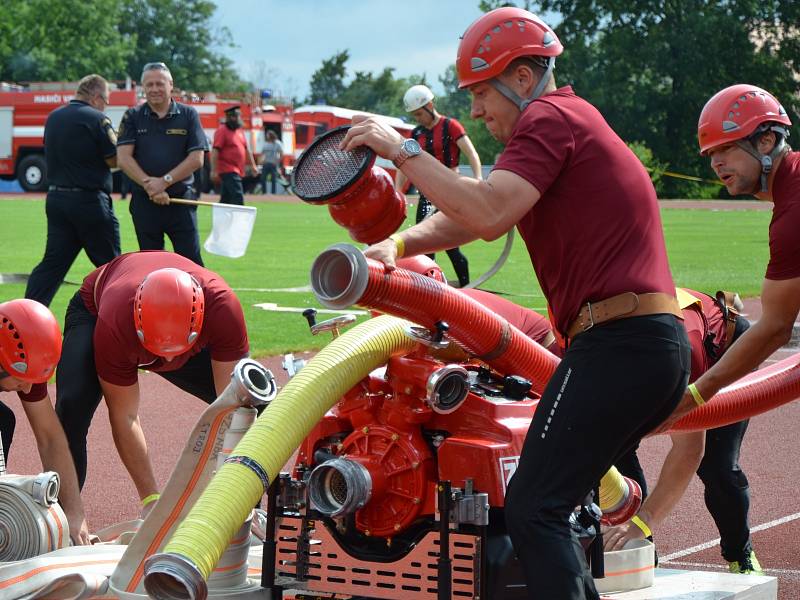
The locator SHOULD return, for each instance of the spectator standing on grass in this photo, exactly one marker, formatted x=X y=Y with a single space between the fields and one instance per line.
x=153 y=310
x=587 y=211
x=80 y=148
x=445 y=139
x=30 y=345
x=161 y=144
x=230 y=156
x=271 y=157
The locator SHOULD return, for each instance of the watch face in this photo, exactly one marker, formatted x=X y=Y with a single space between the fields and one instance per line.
x=412 y=147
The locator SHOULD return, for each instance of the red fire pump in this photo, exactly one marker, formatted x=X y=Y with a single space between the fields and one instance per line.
x=398 y=491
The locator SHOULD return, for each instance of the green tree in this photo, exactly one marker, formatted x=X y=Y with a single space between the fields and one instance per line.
x=44 y=40
x=327 y=82
x=181 y=33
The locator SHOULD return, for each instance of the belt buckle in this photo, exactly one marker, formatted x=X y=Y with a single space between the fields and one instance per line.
x=591 y=318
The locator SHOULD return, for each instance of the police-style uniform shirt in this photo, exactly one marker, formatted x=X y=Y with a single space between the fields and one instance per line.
x=77 y=140
x=160 y=145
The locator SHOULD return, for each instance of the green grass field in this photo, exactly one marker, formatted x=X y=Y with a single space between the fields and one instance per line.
x=708 y=250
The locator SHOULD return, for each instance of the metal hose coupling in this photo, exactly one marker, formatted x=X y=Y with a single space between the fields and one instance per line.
x=339 y=486
x=171 y=576
x=339 y=276
x=252 y=384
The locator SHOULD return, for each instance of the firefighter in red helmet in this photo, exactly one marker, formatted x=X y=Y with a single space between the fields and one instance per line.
x=588 y=213
x=30 y=346
x=155 y=310
x=742 y=130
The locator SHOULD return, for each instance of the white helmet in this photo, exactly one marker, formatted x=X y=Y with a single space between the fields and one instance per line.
x=416 y=97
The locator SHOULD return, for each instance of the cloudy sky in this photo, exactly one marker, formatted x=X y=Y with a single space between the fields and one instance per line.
x=281 y=43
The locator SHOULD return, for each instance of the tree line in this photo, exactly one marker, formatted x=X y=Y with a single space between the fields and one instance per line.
x=647 y=65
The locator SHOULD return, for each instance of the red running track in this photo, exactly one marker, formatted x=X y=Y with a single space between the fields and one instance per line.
x=769 y=458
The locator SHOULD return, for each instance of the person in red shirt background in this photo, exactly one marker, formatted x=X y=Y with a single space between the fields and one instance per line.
x=229 y=154
x=444 y=138
x=30 y=346
x=155 y=310
x=587 y=211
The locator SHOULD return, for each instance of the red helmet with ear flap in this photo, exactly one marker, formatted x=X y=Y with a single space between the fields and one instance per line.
x=497 y=38
x=30 y=340
x=168 y=312
x=423 y=265
x=735 y=113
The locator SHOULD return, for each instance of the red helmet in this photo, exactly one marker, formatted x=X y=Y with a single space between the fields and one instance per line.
x=735 y=113
x=423 y=265
x=168 y=312
x=30 y=340
x=497 y=38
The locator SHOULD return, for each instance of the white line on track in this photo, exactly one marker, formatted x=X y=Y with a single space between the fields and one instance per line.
x=794 y=573
x=712 y=543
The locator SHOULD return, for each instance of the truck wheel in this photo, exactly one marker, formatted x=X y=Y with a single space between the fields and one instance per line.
x=32 y=173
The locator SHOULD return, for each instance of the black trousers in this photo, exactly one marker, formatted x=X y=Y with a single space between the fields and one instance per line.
x=231 y=191
x=75 y=221
x=177 y=221
x=8 y=422
x=78 y=390
x=726 y=489
x=460 y=262
x=615 y=383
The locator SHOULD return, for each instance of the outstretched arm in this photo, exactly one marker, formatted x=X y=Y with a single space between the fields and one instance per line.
x=55 y=456
x=677 y=471
x=123 y=412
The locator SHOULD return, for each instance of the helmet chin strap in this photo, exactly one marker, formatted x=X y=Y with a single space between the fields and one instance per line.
x=520 y=102
x=766 y=160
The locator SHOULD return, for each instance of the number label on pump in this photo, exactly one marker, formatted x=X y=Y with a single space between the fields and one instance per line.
x=508 y=466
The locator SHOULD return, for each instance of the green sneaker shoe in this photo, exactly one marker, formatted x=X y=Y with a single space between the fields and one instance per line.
x=748 y=566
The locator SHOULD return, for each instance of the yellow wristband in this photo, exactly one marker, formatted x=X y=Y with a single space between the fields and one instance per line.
x=698 y=399
x=399 y=244
x=150 y=499
x=636 y=520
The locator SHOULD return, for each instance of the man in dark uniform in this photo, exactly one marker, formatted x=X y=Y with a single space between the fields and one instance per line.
x=161 y=144
x=80 y=146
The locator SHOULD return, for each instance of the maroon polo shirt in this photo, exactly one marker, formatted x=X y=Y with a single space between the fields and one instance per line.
x=596 y=230
x=784 y=241
x=232 y=148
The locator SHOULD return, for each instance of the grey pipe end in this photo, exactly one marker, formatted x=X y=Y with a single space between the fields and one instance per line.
x=339 y=276
x=170 y=576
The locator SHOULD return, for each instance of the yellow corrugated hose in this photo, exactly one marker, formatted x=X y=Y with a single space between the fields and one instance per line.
x=227 y=501
x=612 y=489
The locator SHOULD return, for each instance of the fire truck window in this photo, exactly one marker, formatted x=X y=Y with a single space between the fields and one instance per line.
x=301 y=133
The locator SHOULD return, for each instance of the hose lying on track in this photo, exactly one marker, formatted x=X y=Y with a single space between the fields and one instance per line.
x=181 y=570
x=31 y=521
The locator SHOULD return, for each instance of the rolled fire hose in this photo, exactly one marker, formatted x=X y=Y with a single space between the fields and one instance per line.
x=181 y=570
x=251 y=385
x=342 y=276
x=31 y=521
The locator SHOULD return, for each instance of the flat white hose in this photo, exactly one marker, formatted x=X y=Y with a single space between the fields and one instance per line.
x=31 y=521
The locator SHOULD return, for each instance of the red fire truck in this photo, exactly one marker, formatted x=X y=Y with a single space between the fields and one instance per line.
x=24 y=110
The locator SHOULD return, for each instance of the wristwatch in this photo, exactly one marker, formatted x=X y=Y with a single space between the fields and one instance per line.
x=168 y=178
x=408 y=149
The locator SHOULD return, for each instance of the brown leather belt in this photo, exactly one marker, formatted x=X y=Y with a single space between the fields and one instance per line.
x=623 y=306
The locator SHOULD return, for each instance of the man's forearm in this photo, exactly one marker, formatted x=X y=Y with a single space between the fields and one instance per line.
x=56 y=457
x=679 y=467
x=132 y=447
x=756 y=345
x=438 y=232
x=187 y=166
x=132 y=169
